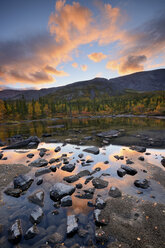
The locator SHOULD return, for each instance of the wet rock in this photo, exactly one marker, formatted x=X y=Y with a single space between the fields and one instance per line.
x=100 y=235
x=83 y=173
x=89 y=161
x=130 y=171
x=88 y=180
x=37 y=197
x=141 y=158
x=128 y=161
x=42 y=171
x=72 y=225
x=53 y=168
x=52 y=160
x=68 y=167
x=55 y=238
x=147 y=153
x=100 y=203
x=138 y=148
x=106 y=162
x=36 y=215
x=13 y=192
x=22 y=182
x=81 y=155
x=30 y=155
x=90 y=204
x=15 y=232
x=39 y=163
x=58 y=149
x=33 y=139
x=32 y=145
x=86 y=195
x=119 y=157
x=59 y=190
x=109 y=134
x=143 y=183
x=66 y=201
x=93 y=150
x=71 y=179
x=42 y=153
x=98 y=220
x=4 y=158
x=31 y=232
x=1 y=155
x=96 y=170
x=114 y=192
x=79 y=186
x=39 y=181
x=65 y=161
x=121 y=172
x=163 y=162
x=85 y=164
x=99 y=183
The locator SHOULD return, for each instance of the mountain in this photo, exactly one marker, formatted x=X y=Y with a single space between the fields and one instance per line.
x=145 y=81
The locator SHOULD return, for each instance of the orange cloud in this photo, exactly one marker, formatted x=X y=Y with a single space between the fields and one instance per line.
x=97 y=57
x=75 y=65
x=84 y=67
x=52 y=70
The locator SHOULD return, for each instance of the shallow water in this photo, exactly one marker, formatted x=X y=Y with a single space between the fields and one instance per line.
x=21 y=208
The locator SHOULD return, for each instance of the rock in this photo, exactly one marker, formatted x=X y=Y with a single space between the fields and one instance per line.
x=89 y=161
x=114 y=192
x=58 y=148
x=13 y=192
x=131 y=171
x=119 y=157
x=106 y=162
x=39 y=181
x=71 y=179
x=138 y=148
x=53 y=168
x=1 y=155
x=24 y=143
x=68 y=167
x=88 y=180
x=100 y=203
x=81 y=155
x=22 y=182
x=98 y=220
x=52 y=160
x=147 y=153
x=121 y=172
x=59 y=190
x=93 y=150
x=42 y=171
x=100 y=236
x=143 y=183
x=86 y=195
x=109 y=134
x=40 y=162
x=15 y=232
x=79 y=186
x=72 y=225
x=30 y=155
x=82 y=232
x=37 y=197
x=42 y=153
x=31 y=232
x=66 y=201
x=32 y=145
x=83 y=173
x=141 y=158
x=99 y=183
x=90 y=204
x=36 y=215
x=88 y=138
x=55 y=238
x=45 y=135
x=128 y=161
x=65 y=161
x=163 y=162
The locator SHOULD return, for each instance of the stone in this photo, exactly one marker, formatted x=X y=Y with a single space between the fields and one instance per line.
x=30 y=155
x=163 y=162
x=53 y=168
x=121 y=172
x=128 y=161
x=24 y=143
x=59 y=190
x=99 y=183
x=55 y=238
x=98 y=220
x=82 y=233
x=22 y=182
x=100 y=235
x=66 y=201
x=83 y=173
x=141 y=158
x=114 y=192
x=42 y=171
x=72 y=225
x=88 y=180
x=40 y=162
x=119 y=157
x=13 y=192
x=138 y=148
x=130 y=171
x=143 y=183
x=100 y=203
x=36 y=215
x=39 y=181
x=58 y=148
x=37 y=198
x=15 y=232
x=41 y=153
x=109 y=134
x=45 y=135
x=31 y=232
x=1 y=155
x=52 y=160
x=81 y=155
x=68 y=167
x=79 y=186
x=94 y=150
x=71 y=179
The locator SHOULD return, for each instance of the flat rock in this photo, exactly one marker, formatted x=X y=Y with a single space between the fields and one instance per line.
x=99 y=183
x=114 y=192
x=31 y=232
x=40 y=162
x=72 y=225
x=15 y=232
x=142 y=183
x=36 y=215
x=13 y=192
x=138 y=148
x=59 y=190
x=37 y=197
x=131 y=171
x=71 y=179
x=22 y=182
x=42 y=171
x=68 y=167
x=94 y=150
x=83 y=173
x=66 y=201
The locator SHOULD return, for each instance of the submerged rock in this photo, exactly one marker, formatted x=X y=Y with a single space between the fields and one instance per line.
x=71 y=179
x=128 y=161
x=37 y=197
x=68 y=167
x=23 y=182
x=114 y=192
x=99 y=183
x=31 y=232
x=15 y=232
x=52 y=160
x=141 y=158
x=72 y=225
x=42 y=171
x=143 y=183
x=13 y=192
x=36 y=215
x=39 y=181
x=40 y=162
x=59 y=190
x=131 y=171
x=66 y=201
x=94 y=150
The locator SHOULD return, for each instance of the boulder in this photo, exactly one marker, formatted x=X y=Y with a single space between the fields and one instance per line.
x=79 y=186
x=68 y=167
x=131 y=171
x=72 y=225
x=66 y=201
x=40 y=162
x=99 y=183
x=81 y=155
x=37 y=197
x=128 y=161
x=114 y=192
x=24 y=143
x=22 y=182
x=142 y=183
x=55 y=238
x=36 y=215
x=31 y=232
x=83 y=173
x=94 y=150
x=15 y=232
x=59 y=190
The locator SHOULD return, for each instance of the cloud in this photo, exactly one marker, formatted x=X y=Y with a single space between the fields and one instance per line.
x=52 y=70
x=84 y=67
x=97 y=57
x=75 y=65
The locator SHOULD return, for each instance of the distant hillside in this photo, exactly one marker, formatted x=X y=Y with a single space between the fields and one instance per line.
x=146 y=81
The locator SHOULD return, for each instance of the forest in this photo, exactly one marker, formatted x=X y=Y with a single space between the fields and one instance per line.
x=152 y=103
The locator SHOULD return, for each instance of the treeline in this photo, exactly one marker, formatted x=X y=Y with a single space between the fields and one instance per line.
x=132 y=103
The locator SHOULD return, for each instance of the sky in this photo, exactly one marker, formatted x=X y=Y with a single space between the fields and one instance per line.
x=48 y=43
